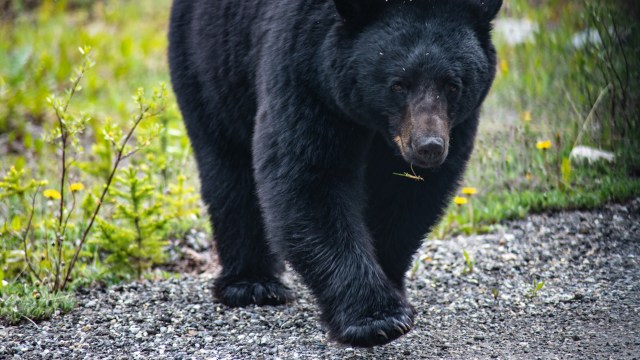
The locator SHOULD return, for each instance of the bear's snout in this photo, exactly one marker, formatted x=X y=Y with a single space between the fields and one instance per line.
x=430 y=151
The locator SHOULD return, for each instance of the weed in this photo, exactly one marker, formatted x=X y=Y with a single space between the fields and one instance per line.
x=21 y=302
x=55 y=260
x=495 y=293
x=536 y=286
x=469 y=263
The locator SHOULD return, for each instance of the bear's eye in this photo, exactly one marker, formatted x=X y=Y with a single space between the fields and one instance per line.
x=453 y=88
x=398 y=87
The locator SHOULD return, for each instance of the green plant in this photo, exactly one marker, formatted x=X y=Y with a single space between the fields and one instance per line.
x=469 y=263
x=133 y=240
x=536 y=286
x=54 y=264
x=20 y=302
x=576 y=101
x=495 y=292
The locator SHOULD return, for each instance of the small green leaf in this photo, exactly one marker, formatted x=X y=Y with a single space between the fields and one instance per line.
x=16 y=223
x=566 y=170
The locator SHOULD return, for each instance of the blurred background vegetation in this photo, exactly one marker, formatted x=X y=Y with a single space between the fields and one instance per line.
x=99 y=185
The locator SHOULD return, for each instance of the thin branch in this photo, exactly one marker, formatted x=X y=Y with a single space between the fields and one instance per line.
x=75 y=84
x=607 y=51
x=26 y=234
x=591 y=113
x=624 y=53
x=64 y=136
x=59 y=232
x=131 y=153
x=119 y=158
x=31 y=321
x=73 y=206
x=573 y=105
x=139 y=243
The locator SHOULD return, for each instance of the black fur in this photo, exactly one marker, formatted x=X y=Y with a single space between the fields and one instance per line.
x=300 y=111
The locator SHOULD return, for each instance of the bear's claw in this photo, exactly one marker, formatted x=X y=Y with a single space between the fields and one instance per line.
x=240 y=293
x=379 y=330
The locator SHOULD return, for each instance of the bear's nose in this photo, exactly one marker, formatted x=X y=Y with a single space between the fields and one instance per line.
x=430 y=149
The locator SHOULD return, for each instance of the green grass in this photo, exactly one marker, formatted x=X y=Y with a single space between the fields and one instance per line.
x=22 y=302
x=129 y=53
x=544 y=90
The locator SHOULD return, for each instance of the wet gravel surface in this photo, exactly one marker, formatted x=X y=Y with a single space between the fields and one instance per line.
x=589 y=306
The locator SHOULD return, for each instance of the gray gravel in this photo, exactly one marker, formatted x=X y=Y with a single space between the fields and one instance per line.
x=588 y=308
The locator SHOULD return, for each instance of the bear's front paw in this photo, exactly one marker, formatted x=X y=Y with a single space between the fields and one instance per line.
x=239 y=293
x=376 y=329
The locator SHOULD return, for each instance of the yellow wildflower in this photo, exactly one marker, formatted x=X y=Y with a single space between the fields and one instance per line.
x=76 y=187
x=543 y=145
x=459 y=200
x=504 y=66
x=526 y=116
x=52 y=194
x=469 y=190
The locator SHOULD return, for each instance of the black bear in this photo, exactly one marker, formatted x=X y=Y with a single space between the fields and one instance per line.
x=300 y=112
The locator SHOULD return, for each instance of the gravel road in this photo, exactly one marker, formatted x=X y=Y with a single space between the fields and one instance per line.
x=589 y=306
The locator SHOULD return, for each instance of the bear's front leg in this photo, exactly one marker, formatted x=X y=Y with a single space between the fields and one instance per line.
x=309 y=175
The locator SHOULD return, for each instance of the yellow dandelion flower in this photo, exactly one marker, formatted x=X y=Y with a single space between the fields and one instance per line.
x=526 y=116
x=459 y=200
x=52 y=194
x=504 y=66
x=76 y=187
x=543 y=145
x=469 y=190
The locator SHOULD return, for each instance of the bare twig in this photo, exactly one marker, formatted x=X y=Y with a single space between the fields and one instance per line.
x=573 y=105
x=73 y=206
x=118 y=160
x=26 y=234
x=31 y=321
x=64 y=137
x=591 y=113
x=607 y=52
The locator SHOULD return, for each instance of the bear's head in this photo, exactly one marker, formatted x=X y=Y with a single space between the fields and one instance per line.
x=415 y=69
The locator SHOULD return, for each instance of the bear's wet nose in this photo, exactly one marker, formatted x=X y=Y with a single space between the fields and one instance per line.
x=430 y=149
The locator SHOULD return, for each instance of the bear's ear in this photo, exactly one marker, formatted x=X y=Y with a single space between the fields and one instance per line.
x=486 y=10
x=358 y=13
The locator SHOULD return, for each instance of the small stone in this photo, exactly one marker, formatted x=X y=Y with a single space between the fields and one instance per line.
x=264 y=340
